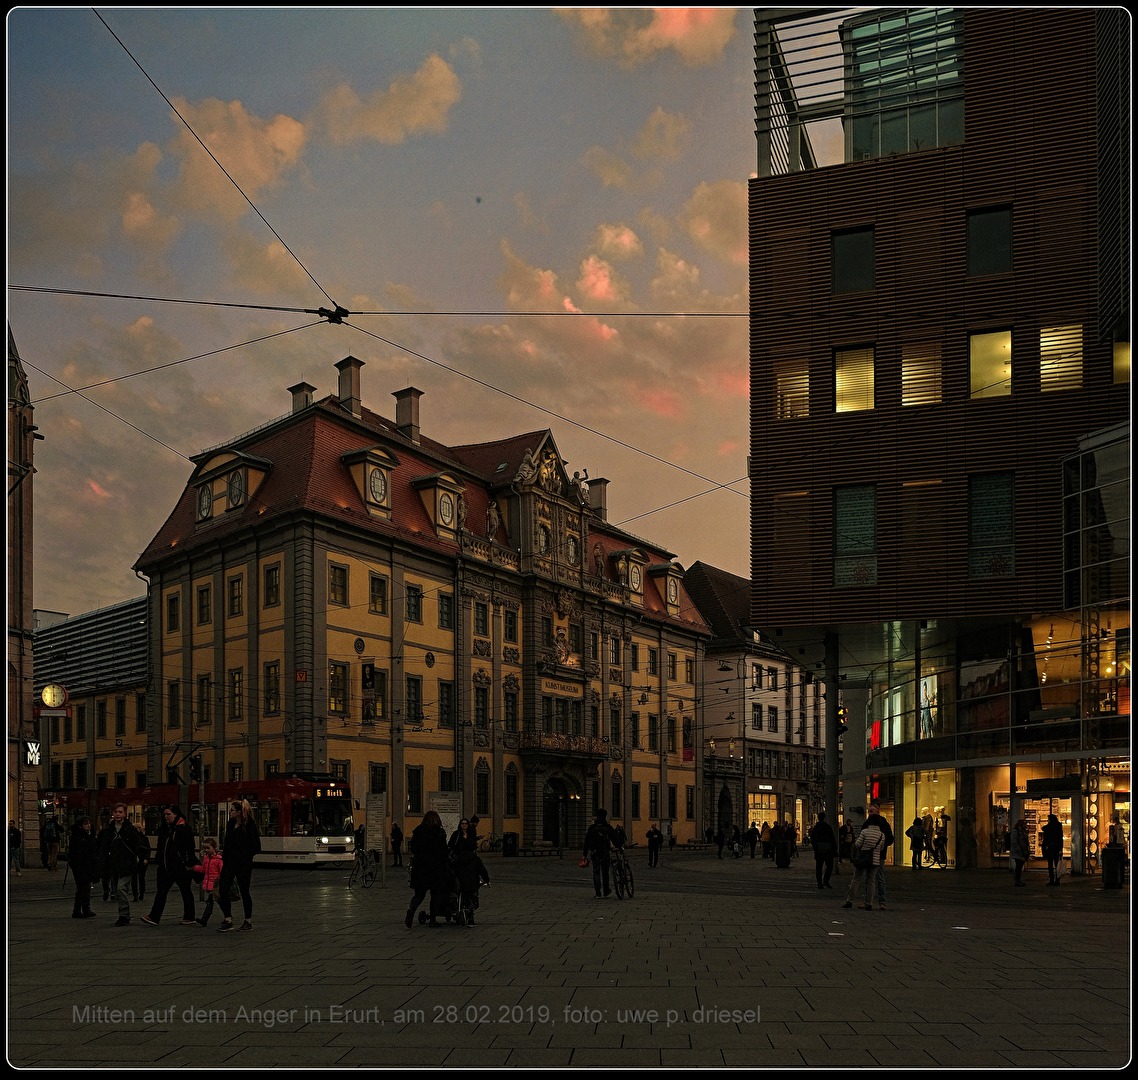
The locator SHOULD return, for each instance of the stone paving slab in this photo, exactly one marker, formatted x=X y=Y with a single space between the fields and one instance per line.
x=713 y=964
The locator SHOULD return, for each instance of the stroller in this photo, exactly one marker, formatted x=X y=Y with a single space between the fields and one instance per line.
x=444 y=899
x=471 y=875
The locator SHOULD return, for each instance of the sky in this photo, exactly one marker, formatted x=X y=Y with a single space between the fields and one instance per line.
x=537 y=216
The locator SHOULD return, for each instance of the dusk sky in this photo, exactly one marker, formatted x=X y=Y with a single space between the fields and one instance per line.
x=489 y=164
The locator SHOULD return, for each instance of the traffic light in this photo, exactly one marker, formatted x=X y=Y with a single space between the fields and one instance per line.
x=843 y=721
x=196 y=767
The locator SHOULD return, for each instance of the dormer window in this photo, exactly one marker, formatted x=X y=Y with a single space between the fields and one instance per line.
x=377 y=485
x=235 y=489
x=205 y=502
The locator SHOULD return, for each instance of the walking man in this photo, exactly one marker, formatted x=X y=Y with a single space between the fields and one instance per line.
x=655 y=842
x=598 y=843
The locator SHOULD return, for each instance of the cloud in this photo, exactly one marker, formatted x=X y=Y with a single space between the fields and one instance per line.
x=633 y=36
x=715 y=217
x=256 y=153
x=267 y=269
x=413 y=105
x=661 y=137
x=611 y=170
x=598 y=283
x=617 y=242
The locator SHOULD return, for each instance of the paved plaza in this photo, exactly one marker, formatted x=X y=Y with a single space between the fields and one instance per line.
x=714 y=963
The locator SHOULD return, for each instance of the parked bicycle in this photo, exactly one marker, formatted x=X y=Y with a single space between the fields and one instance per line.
x=620 y=871
x=364 y=868
x=493 y=842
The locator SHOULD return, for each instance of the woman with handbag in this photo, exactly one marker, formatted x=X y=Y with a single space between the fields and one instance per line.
x=866 y=854
x=242 y=844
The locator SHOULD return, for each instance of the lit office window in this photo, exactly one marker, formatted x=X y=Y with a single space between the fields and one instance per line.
x=990 y=364
x=792 y=388
x=1061 y=358
x=853 y=380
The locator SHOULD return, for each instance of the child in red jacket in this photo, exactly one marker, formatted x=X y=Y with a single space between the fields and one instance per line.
x=210 y=869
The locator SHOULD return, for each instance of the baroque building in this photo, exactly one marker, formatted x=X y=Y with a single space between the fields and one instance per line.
x=940 y=399
x=337 y=593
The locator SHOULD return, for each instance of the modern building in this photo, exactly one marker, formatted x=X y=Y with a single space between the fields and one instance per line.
x=335 y=592
x=940 y=400
x=763 y=715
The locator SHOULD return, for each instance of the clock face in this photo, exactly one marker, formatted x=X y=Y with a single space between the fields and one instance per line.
x=53 y=695
x=446 y=508
x=673 y=591
x=634 y=576
x=205 y=501
x=377 y=484
x=236 y=489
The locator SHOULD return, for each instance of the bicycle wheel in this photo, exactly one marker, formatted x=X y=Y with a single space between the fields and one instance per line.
x=355 y=872
x=628 y=879
x=369 y=873
x=618 y=878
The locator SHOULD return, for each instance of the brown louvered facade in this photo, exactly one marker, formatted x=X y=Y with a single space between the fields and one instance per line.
x=1030 y=145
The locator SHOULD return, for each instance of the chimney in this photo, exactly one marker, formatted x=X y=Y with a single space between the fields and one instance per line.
x=598 y=497
x=349 y=369
x=407 y=412
x=301 y=395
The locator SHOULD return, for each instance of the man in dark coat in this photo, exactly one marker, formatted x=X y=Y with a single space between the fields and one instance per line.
x=118 y=846
x=83 y=859
x=825 y=845
x=598 y=843
x=175 y=855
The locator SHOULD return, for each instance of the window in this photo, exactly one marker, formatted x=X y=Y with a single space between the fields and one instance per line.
x=80 y=723
x=173 y=710
x=671 y=744
x=634 y=656
x=921 y=368
x=481 y=706
x=990 y=364
x=414 y=698
x=446 y=611
x=414 y=603
x=338 y=674
x=653 y=732
x=81 y=775
x=672 y=666
x=414 y=789
x=338 y=584
x=446 y=704
x=236 y=606
x=482 y=792
x=653 y=662
x=634 y=730
x=689 y=670
x=205 y=701
x=235 y=694
x=991 y=537
x=594 y=645
x=756 y=716
x=772 y=678
x=615 y=812
x=139 y=713
x=446 y=779
x=273 y=585
x=510 y=625
x=510 y=710
x=511 y=794
x=576 y=639
x=614 y=726
x=634 y=800
x=272 y=768
x=377 y=696
x=173 y=612
x=653 y=801
x=689 y=802
x=671 y=802
x=546 y=631
x=1060 y=358
x=120 y=716
x=120 y=779
x=481 y=618
x=855 y=537
x=376 y=779
x=614 y=650
x=853 y=380
x=772 y=718
x=756 y=677
x=205 y=606
x=990 y=241
x=377 y=595
x=687 y=733
x=851 y=260
x=791 y=388
x=272 y=681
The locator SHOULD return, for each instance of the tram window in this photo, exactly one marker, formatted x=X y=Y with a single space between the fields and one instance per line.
x=268 y=816
x=151 y=818
x=302 y=817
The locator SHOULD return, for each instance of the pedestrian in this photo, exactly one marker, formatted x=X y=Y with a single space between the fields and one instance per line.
x=930 y=834
x=720 y=840
x=83 y=858
x=655 y=842
x=138 y=883
x=736 y=842
x=175 y=856
x=845 y=841
x=916 y=835
x=887 y=833
x=753 y=838
x=619 y=837
x=240 y=846
x=765 y=840
x=866 y=853
x=1019 y=848
x=793 y=826
x=210 y=869
x=429 y=862
x=51 y=843
x=825 y=845
x=118 y=846
x=468 y=867
x=475 y=821
x=1116 y=834
x=1052 y=848
x=396 y=844
x=15 y=839
x=709 y=835
x=599 y=840
x=940 y=838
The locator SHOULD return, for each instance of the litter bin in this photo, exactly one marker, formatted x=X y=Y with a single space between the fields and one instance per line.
x=1113 y=866
x=510 y=845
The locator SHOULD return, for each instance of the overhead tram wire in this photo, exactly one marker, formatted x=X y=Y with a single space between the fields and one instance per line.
x=336 y=307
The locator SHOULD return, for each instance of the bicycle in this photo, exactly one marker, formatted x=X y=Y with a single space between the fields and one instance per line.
x=364 y=868
x=620 y=871
x=493 y=842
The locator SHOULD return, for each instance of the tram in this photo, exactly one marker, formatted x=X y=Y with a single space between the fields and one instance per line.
x=304 y=819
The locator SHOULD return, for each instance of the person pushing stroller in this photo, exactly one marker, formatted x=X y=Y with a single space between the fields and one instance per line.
x=469 y=869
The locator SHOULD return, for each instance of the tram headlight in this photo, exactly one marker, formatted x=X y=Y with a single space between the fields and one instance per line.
x=322 y=840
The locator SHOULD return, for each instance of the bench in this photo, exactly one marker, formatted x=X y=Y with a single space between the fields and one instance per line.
x=696 y=845
x=542 y=849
